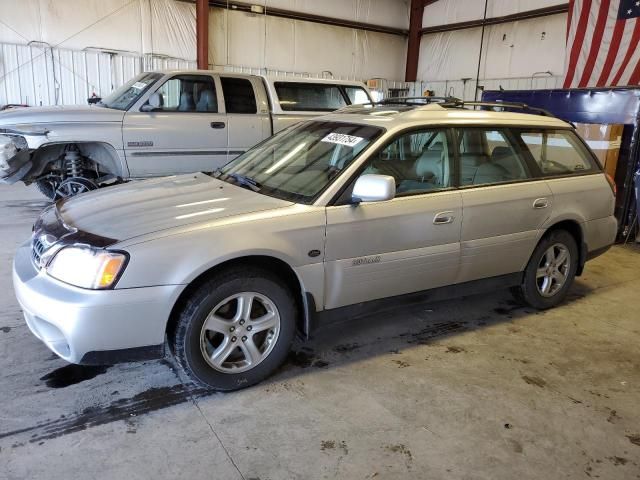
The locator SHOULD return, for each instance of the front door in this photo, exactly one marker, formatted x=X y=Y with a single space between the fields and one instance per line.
x=186 y=133
x=408 y=244
x=504 y=206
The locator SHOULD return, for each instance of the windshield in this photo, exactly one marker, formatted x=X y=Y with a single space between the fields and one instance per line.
x=122 y=98
x=300 y=162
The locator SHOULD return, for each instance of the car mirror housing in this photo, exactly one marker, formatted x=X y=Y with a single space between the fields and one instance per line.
x=373 y=188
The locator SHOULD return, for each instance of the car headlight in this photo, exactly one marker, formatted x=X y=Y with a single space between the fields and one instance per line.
x=87 y=267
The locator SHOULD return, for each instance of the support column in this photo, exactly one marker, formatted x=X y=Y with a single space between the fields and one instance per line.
x=413 y=48
x=202 y=33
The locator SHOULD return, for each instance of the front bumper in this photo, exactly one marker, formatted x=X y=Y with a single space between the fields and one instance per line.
x=91 y=326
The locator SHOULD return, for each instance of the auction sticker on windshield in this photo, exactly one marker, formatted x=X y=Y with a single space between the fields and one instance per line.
x=342 y=139
x=139 y=85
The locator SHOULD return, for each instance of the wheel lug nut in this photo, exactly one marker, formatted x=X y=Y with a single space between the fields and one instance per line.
x=244 y=339
x=241 y=322
x=233 y=339
x=232 y=329
x=249 y=328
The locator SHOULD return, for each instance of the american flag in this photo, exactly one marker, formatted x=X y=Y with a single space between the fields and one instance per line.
x=603 y=43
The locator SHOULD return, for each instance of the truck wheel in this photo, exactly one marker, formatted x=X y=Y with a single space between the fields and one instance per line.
x=73 y=186
x=550 y=271
x=235 y=329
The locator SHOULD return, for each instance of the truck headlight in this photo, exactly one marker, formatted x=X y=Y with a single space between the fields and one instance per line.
x=87 y=267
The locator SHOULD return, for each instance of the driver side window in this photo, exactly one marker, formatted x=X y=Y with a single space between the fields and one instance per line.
x=188 y=93
x=419 y=161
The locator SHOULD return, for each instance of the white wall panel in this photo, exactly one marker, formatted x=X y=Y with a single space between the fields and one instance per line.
x=449 y=55
x=519 y=49
x=390 y=13
x=444 y=12
x=272 y=43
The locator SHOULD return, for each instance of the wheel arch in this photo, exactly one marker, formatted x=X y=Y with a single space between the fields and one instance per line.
x=102 y=153
x=304 y=301
x=574 y=228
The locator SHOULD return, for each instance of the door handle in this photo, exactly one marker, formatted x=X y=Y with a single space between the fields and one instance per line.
x=540 y=203
x=443 y=218
x=217 y=124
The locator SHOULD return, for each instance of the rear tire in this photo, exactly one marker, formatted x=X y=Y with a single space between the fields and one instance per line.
x=550 y=271
x=235 y=330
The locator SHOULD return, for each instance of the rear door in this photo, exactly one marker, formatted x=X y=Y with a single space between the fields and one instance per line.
x=505 y=203
x=186 y=133
x=247 y=113
x=404 y=245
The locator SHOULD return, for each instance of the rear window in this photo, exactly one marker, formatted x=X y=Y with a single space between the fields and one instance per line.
x=357 y=95
x=313 y=97
x=238 y=95
x=558 y=152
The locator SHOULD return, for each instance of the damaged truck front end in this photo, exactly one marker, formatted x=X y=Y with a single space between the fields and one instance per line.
x=16 y=148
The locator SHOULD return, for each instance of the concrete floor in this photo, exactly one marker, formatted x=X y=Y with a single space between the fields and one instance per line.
x=474 y=388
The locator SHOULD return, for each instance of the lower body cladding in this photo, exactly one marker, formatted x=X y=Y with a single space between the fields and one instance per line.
x=92 y=326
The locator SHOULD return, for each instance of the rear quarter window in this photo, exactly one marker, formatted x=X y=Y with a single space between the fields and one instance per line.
x=558 y=152
x=312 y=97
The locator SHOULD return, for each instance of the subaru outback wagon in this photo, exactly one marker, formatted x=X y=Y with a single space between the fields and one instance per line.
x=316 y=222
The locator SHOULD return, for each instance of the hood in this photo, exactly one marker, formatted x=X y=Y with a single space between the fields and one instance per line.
x=138 y=208
x=58 y=114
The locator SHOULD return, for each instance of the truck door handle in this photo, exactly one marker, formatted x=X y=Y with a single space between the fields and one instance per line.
x=217 y=124
x=443 y=218
x=540 y=203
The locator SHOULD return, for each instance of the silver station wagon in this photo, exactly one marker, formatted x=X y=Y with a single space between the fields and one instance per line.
x=324 y=220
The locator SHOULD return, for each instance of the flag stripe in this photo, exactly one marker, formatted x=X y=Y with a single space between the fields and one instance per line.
x=571 y=5
x=635 y=38
x=606 y=44
x=635 y=76
x=596 y=42
x=577 y=42
x=612 y=54
x=629 y=27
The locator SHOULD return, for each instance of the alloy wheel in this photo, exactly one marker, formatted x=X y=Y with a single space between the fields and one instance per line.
x=553 y=270
x=240 y=332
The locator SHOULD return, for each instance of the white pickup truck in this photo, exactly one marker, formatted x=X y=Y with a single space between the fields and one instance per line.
x=158 y=123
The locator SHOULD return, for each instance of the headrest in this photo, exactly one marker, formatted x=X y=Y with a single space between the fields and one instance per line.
x=501 y=152
x=429 y=162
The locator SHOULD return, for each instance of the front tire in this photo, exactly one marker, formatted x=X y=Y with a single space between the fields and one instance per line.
x=550 y=271
x=235 y=330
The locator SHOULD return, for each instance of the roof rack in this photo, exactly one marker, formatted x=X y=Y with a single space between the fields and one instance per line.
x=415 y=100
x=499 y=104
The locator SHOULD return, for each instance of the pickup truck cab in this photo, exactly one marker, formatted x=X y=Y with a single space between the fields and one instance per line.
x=159 y=123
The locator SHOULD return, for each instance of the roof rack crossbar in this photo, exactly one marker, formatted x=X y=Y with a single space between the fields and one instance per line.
x=414 y=100
x=499 y=104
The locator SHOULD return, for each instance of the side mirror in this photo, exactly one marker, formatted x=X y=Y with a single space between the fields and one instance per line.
x=154 y=103
x=373 y=188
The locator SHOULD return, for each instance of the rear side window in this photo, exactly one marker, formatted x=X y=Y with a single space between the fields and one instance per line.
x=309 y=97
x=489 y=156
x=558 y=152
x=238 y=95
x=357 y=95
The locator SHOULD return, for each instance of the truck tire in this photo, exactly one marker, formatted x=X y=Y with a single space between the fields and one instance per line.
x=550 y=271
x=235 y=330
x=47 y=188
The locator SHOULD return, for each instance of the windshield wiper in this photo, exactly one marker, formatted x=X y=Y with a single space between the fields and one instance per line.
x=244 y=181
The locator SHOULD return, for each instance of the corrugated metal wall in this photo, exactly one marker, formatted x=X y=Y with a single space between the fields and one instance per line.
x=37 y=74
